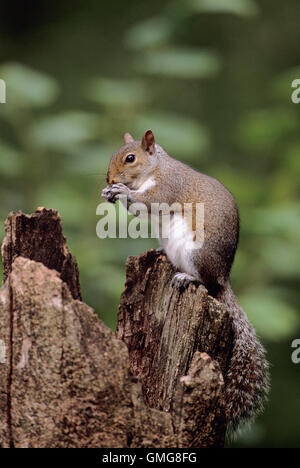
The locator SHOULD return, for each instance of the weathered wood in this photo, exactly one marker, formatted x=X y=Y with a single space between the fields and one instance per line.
x=164 y=327
x=69 y=384
x=200 y=402
x=39 y=237
x=67 y=381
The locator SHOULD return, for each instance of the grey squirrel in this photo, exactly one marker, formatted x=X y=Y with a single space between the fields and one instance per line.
x=144 y=173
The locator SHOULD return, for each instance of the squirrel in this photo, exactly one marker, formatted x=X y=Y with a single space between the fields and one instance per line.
x=142 y=172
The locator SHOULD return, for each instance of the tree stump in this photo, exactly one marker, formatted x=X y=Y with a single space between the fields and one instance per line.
x=66 y=380
x=39 y=237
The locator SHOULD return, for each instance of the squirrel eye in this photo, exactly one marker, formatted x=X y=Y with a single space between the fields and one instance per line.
x=130 y=158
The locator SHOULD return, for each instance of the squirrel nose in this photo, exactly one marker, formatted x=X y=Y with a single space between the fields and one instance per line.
x=109 y=180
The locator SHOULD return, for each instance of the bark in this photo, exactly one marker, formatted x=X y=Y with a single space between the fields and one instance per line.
x=39 y=237
x=67 y=381
x=163 y=329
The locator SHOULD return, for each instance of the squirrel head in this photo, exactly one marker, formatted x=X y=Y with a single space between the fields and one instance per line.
x=132 y=164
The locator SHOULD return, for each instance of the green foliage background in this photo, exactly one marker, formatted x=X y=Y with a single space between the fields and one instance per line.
x=212 y=79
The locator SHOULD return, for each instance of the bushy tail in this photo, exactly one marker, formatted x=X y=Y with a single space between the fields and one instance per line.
x=247 y=379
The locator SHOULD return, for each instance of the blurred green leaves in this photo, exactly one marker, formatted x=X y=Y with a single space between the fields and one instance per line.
x=180 y=63
x=27 y=87
x=150 y=33
x=159 y=30
x=182 y=136
x=10 y=160
x=67 y=199
x=238 y=7
x=273 y=318
x=281 y=259
x=264 y=129
x=92 y=159
x=65 y=130
x=281 y=87
x=282 y=220
x=113 y=93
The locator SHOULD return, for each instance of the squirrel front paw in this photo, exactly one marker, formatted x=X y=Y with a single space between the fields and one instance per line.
x=182 y=280
x=114 y=192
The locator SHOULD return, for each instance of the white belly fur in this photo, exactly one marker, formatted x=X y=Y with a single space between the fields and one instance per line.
x=179 y=246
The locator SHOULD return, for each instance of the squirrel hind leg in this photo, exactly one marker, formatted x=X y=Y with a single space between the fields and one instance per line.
x=211 y=269
x=182 y=280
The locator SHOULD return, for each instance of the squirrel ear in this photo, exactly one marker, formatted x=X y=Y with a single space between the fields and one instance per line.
x=128 y=138
x=148 y=142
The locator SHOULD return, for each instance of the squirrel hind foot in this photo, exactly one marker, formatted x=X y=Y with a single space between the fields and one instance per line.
x=182 y=280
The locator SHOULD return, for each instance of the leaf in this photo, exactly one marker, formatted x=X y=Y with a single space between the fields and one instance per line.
x=149 y=33
x=64 y=130
x=180 y=63
x=237 y=7
x=26 y=87
x=273 y=318
x=180 y=135
x=115 y=93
